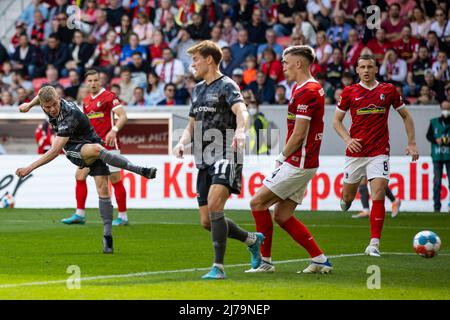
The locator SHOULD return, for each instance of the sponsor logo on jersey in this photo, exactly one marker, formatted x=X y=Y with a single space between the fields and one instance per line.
x=204 y=109
x=212 y=97
x=95 y=115
x=302 y=108
x=370 y=109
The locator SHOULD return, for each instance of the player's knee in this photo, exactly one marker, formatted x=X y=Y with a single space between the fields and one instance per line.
x=256 y=204
x=378 y=194
x=279 y=219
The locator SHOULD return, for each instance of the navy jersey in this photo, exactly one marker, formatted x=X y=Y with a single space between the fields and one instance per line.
x=211 y=108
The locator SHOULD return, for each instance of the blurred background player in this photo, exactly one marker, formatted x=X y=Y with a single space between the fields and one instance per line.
x=296 y=164
x=367 y=151
x=82 y=146
x=101 y=106
x=217 y=104
x=364 y=194
x=44 y=135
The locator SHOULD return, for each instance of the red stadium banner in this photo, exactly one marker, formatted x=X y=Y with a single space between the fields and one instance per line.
x=145 y=136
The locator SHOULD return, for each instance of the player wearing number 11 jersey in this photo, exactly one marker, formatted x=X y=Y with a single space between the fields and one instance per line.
x=367 y=152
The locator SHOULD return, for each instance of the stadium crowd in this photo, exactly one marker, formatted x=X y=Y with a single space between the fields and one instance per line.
x=140 y=47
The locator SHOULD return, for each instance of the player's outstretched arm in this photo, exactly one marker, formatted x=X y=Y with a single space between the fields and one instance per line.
x=55 y=150
x=185 y=139
x=411 y=149
x=353 y=145
x=25 y=107
x=240 y=110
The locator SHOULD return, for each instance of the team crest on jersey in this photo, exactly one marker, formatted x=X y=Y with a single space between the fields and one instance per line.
x=99 y=104
x=382 y=97
x=371 y=109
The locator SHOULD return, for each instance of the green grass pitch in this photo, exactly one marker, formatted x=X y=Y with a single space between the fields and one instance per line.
x=163 y=253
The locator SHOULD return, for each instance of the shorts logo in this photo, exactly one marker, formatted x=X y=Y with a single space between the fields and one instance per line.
x=371 y=109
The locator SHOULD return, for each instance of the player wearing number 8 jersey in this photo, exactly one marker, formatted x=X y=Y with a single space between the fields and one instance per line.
x=296 y=165
x=367 y=152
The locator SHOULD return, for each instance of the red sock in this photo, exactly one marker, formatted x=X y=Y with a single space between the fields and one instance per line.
x=264 y=224
x=81 y=193
x=377 y=218
x=302 y=236
x=121 y=196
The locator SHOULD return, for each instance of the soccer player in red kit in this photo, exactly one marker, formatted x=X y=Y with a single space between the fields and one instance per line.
x=367 y=152
x=295 y=166
x=100 y=106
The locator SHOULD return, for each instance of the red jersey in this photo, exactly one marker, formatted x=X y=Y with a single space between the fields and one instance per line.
x=99 y=110
x=369 y=110
x=378 y=49
x=307 y=102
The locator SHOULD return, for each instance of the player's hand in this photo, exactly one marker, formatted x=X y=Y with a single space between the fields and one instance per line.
x=25 y=107
x=22 y=172
x=110 y=139
x=238 y=140
x=411 y=150
x=178 y=151
x=354 y=146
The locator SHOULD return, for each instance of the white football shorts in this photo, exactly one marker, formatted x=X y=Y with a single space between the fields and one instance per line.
x=371 y=167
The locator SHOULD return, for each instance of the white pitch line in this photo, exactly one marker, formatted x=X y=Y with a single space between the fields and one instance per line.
x=150 y=273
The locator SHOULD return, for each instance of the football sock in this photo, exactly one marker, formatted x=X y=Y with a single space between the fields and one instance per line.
x=389 y=194
x=235 y=232
x=377 y=218
x=218 y=265
x=123 y=215
x=119 y=161
x=80 y=212
x=81 y=192
x=375 y=242
x=121 y=197
x=219 y=232
x=302 y=236
x=267 y=259
x=106 y=212
x=364 y=193
x=264 y=224
x=320 y=258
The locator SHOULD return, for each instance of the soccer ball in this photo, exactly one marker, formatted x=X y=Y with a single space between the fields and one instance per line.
x=426 y=244
x=7 y=201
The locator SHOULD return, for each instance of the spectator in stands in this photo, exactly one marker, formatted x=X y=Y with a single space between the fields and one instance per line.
x=7 y=73
x=352 y=49
x=63 y=32
x=393 y=69
x=20 y=29
x=394 y=23
x=18 y=81
x=141 y=6
x=51 y=76
x=227 y=64
x=170 y=29
x=280 y=95
x=263 y=88
x=104 y=80
x=216 y=36
x=272 y=67
x=139 y=70
x=56 y=53
x=415 y=78
x=72 y=90
x=441 y=67
x=100 y=28
x=24 y=56
x=3 y=86
x=338 y=33
x=126 y=86
x=171 y=70
x=28 y=15
x=184 y=95
x=114 y=13
x=138 y=97
x=88 y=13
x=129 y=49
x=198 y=29
x=433 y=45
x=183 y=18
x=154 y=92
x=436 y=86
x=106 y=55
x=425 y=96
x=242 y=49
x=165 y=8
x=211 y=12
x=238 y=77
x=407 y=47
x=379 y=45
x=304 y=27
x=257 y=28
x=323 y=50
x=420 y=25
x=169 y=93
x=441 y=25
x=348 y=7
x=21 y=96
x=124 y=30
x=60 y=91
x=229 y=32
x=156 y=49
x=270 y=42
x=327 y=87
x=242 y=13
x=39 y=31
x=60 y=7
x=348 y=78
x=318 y=13
x=335 y=69
x=364 y=33
x=180 y=45
x=82 y=94
x=269 y=10
x=144 y=29
x=7 y=99
x=286 y=20
x=80 y=52
x=249 y=73
x=297 y=39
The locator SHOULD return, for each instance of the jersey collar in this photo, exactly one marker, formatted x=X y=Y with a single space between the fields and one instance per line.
x=98 y=94
x=368 y=88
